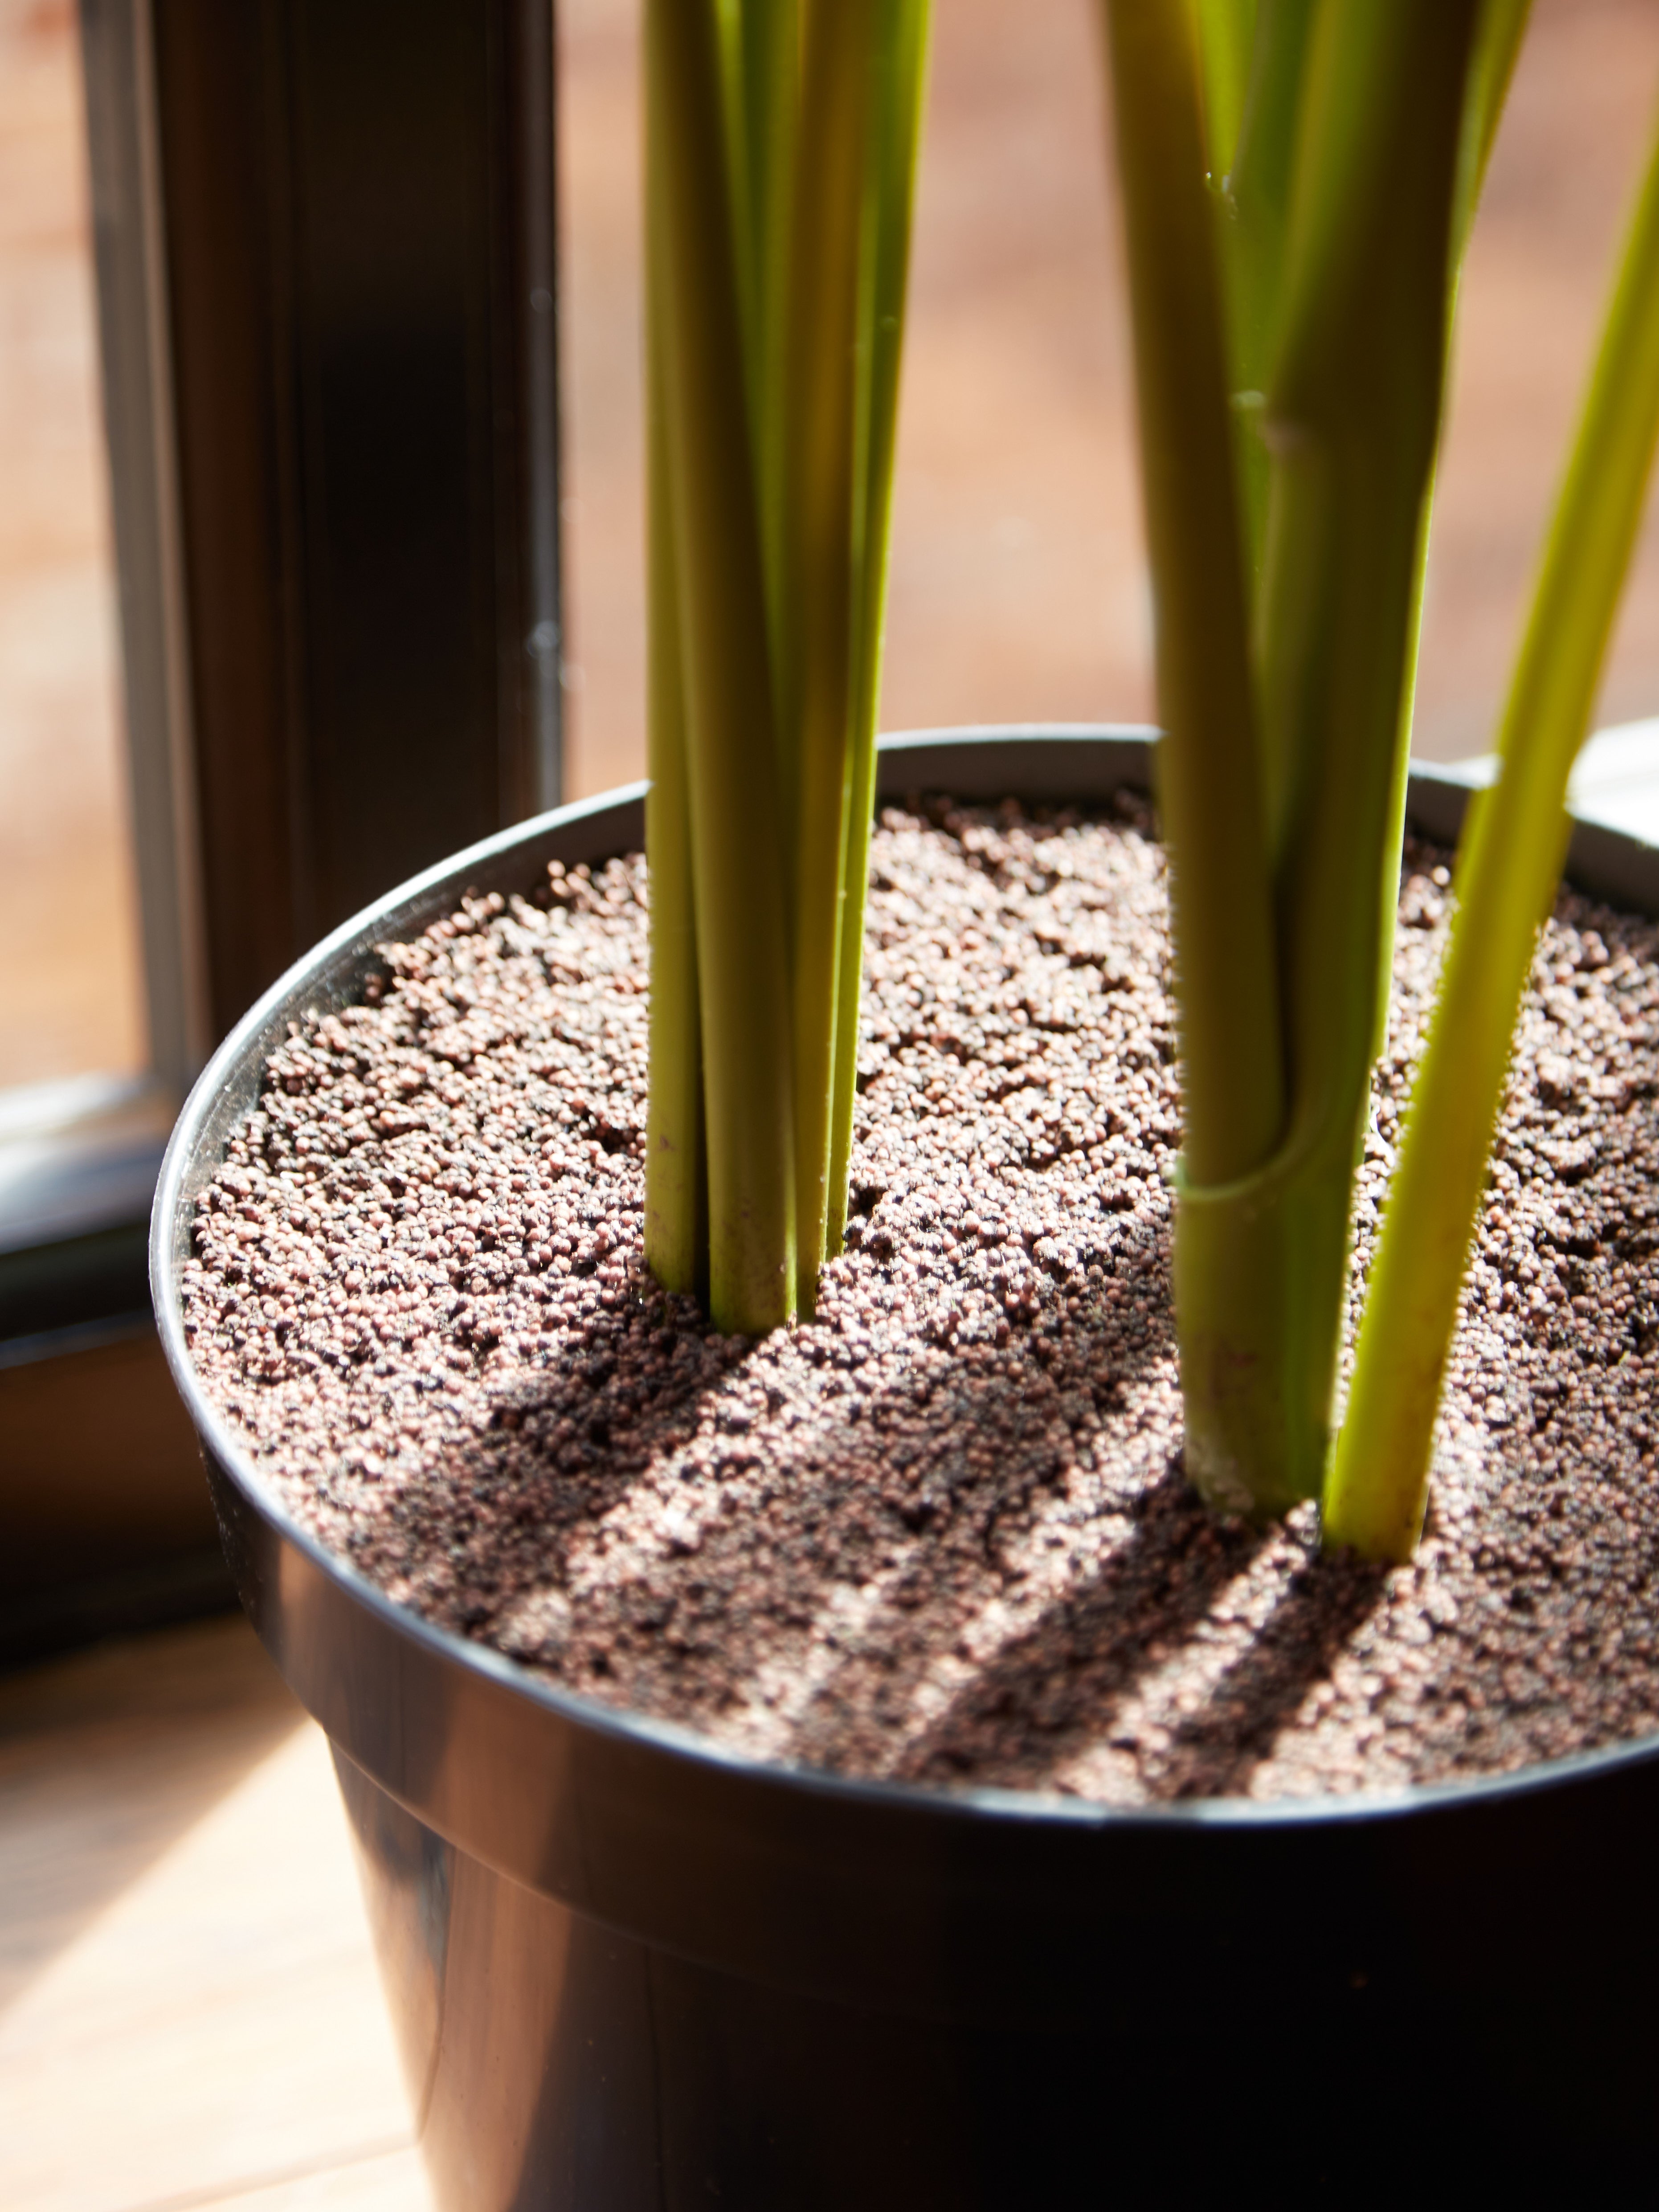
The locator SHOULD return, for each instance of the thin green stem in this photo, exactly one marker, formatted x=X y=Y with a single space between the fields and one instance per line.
x=899 y=64
x=1226 y=33
x=736 y=822
x=1255 y=214
x=1512 y=849
x=675 y=1171
x=822 y=366
x=767 y=37
x=1497 y=46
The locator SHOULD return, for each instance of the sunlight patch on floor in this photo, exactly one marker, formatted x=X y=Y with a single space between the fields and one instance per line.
x=216 y=2034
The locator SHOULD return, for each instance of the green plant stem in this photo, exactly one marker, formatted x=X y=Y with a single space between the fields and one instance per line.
x=1208 y=779
x=676 y=1171
x=815 y=686
x=898 y=62
x=763 y=95
x=1226 y=33
x=736 y=824
x=1512 y=856
x=1352 y=417
x=1255 y=215
x=1339 y=636
x=1497 y=46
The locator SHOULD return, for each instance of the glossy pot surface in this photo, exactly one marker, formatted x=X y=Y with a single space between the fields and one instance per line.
x=629 y=1967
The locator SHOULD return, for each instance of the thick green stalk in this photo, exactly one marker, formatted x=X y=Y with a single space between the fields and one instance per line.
x=1208 y=769
x=675 y=1171
x=736 y=838
x=817 y=632
x=1512 y=849
x=763 y=123
x=1352 y=417
x=899 y=64
x=1498 y=48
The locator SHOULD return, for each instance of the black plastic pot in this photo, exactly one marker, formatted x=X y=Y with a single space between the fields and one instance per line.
x=631 y=1970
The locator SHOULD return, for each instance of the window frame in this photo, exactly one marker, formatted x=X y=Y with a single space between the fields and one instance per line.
x=224 y=144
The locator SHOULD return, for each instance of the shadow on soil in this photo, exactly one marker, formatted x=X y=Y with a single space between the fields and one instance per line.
x=890 y=1548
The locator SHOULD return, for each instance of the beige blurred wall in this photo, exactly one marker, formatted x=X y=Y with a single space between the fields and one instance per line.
x=1019 y=585
x=70 y=998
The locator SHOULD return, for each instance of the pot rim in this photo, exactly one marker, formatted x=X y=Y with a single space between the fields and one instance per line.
x=1435 y=804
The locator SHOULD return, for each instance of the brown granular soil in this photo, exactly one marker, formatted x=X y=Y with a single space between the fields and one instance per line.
x=942 y=1532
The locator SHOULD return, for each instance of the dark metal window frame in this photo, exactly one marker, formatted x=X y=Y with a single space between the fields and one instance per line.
x=325 y=249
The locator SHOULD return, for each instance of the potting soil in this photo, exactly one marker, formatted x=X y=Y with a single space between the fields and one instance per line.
x=941 y=1531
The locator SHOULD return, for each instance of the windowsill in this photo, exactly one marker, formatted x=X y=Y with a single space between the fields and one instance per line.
x=79 y=1156
x=1614 y=781
x=78 y=1163
x=190 y=2013
x=108 y=1522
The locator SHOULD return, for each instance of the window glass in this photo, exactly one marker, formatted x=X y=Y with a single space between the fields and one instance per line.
x=70 y=991
x=602 y=430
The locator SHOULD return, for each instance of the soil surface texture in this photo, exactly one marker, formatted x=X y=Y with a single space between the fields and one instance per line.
x=941 y=1533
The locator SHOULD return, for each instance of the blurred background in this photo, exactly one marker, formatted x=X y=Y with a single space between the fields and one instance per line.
x=336 y=192
x=1019 y=588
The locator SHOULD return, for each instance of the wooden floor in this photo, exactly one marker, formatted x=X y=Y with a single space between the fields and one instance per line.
x=189 y=2014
